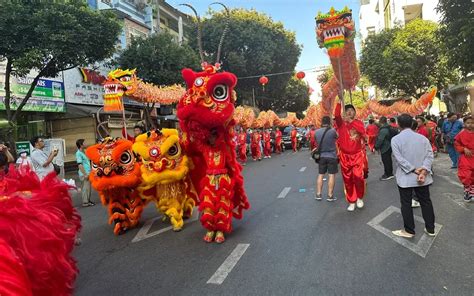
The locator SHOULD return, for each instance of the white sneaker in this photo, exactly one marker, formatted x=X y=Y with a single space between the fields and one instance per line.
x=360 y=203
x=351 y=207
x=415 y=204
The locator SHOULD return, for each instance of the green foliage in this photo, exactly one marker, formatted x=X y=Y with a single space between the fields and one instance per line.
x=457 y=32
x=325 y=76
x=358 y=99
x=51 y=36
x=407 y=61
x=159 y=59
x=254 y=45
x=295 y=97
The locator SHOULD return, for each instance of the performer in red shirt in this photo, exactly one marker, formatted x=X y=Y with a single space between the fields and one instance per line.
x=431 y=129
x=352 y=155
x=312 y=138
x=267 y=148
x=294 y=142
x=255 y=146
x=278 y=140
x=464 y=144
x=393 y=123
x=422 y=129
x=242 y=142
x=372 y=131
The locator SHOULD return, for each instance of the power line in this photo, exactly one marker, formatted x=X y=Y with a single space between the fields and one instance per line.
x=280 y=73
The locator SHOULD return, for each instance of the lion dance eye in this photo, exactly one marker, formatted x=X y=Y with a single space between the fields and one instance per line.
x=220 y=92
x=126 y=158
x=174 y=150
x=94 y=166
x=154 y=152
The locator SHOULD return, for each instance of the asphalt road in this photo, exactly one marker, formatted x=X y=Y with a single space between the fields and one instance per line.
x=292 y=245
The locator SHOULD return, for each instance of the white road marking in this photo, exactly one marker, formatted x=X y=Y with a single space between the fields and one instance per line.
x=284 y=192
x=143 y=232
x=423 y=245
x=457 y=199
x=223 y=271
x=448 y=179
x=302 y=169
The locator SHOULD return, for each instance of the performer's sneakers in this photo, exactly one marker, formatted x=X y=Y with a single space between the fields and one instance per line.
x=318 y=197
x=360 y=203
x=209 y=237
x=351 y=207
x=415 y=204
x=220 y=237
x=467 y=197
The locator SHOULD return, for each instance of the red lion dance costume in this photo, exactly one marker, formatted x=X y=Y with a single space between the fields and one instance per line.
x=38 y=227
x=206 y=118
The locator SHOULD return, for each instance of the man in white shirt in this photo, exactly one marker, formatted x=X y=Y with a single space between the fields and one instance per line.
x=42 y=163
x=414 y=157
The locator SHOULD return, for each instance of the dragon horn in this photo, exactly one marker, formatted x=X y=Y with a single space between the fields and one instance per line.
x=199 y=35
x=226 y=28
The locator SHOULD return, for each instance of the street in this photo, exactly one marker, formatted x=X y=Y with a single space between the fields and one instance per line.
x=288 y=243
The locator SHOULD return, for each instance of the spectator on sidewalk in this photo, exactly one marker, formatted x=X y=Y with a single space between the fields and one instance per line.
x=84 y=165
x=451 y=127
x=23 y=163
x=5 y=158
x=42 y=163
x=385 y=135
x=464 y=144
x=414 y=161
x=328 y=160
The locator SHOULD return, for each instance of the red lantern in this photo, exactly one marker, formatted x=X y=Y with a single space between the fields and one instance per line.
x=263 y=80
x=300 y=75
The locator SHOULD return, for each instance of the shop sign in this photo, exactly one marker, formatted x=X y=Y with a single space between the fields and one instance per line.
x=47 y=96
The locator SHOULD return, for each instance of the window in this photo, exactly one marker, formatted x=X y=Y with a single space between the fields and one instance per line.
x=370 y=31
x=364 y=2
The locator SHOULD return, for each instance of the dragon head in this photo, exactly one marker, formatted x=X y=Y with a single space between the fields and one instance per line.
x=163 y=160
x=119 y=83
x=334 y=29
x=210 y=97
x=113 y=165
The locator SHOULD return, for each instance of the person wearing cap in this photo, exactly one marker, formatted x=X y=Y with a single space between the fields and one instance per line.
x=352 y=156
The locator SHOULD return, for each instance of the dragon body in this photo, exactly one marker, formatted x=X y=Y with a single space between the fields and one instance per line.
x=120 y=83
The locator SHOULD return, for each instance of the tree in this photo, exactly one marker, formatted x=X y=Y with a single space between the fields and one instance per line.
x=325 y=76
x=407 y=61
x=49 y=37
x=457 y=32
x=295 y=97
x=254 y=45
x=159 y=59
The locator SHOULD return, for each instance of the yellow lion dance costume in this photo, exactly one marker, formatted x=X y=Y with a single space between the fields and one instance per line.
x=164 y=171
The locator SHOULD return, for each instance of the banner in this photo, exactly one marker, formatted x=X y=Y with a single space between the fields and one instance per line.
x=48 y=95
x=84 y=86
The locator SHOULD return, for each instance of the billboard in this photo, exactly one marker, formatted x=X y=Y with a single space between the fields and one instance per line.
x=84 y=86
x=48 y=95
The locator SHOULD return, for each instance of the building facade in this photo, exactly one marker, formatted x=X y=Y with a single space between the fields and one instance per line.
x=377 y=15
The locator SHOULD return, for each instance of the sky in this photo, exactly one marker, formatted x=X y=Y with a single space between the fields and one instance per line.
x=297 y=16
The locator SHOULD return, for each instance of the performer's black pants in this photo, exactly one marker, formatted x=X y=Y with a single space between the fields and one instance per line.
x=423 y=194
x=387 y=163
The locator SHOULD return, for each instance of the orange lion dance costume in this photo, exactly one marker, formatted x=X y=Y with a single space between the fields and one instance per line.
x=205 y=115
x=115 y=175
x=38 y=227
